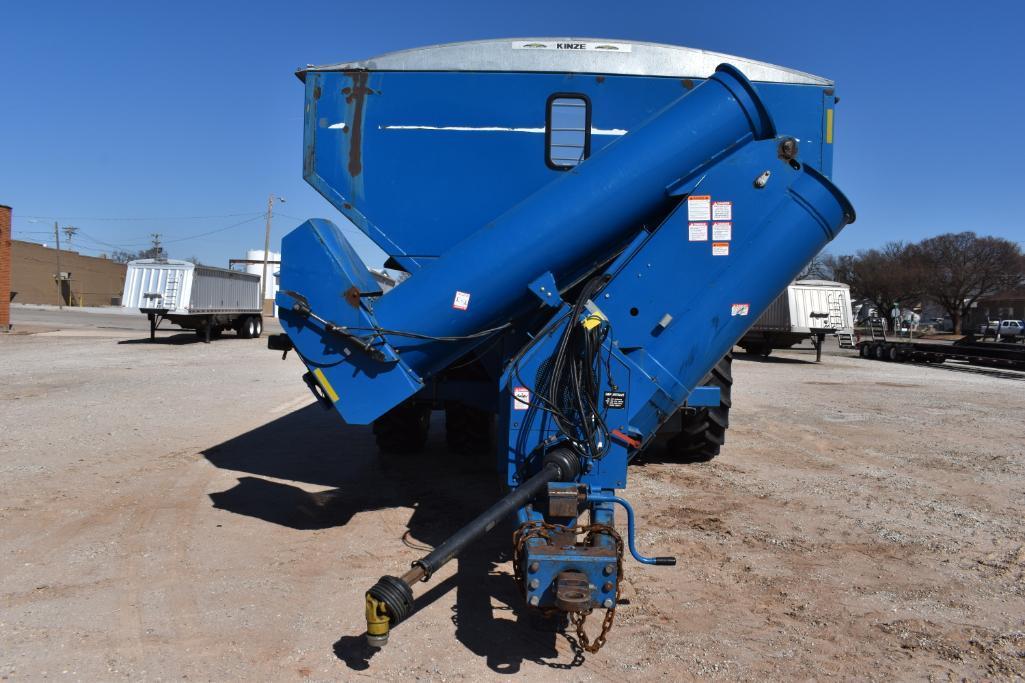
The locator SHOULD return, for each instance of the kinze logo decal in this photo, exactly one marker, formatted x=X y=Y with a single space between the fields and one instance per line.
x=573 y=46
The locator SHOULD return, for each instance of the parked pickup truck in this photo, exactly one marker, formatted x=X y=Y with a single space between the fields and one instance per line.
x=1003 y=328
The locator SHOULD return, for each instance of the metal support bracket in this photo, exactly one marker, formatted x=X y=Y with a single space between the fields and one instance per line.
x=546 y=290
x=704 y=397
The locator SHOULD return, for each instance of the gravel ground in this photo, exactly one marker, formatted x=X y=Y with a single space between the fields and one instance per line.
x=181 y=510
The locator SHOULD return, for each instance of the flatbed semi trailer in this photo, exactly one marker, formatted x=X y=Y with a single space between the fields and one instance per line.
x=968 y=349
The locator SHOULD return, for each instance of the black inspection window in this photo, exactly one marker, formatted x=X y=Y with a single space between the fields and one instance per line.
x=567 y=130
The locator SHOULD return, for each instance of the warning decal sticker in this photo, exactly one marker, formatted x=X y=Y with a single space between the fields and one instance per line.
x=521 y=398
x=722 y=231
x=462 y=301
x=615 y=399
x=697 y=232
x=739 y=309
x=722 y=211
x=699 y=208
x=720 y=248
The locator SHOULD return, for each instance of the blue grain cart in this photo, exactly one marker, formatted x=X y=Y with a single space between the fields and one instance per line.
x=588 y=227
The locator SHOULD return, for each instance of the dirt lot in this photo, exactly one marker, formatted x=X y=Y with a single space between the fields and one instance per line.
x=180 y=510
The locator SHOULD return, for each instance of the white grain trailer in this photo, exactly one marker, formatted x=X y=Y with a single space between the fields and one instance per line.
x=201 y=298
x=806 y=309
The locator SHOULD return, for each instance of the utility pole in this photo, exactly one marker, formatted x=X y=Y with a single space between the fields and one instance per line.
x=158 y=250
x=60 y=275
x=70 y=232
x=266 y=247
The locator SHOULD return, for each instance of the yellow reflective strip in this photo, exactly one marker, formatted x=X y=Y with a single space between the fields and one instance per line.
x=328 y=389
x=829 y=126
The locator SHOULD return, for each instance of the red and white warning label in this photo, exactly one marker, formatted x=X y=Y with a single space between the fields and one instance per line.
x=740 y=309
x=722 y=211
x=461 y=301
x=722 y=232
x=720 y=248
x=699 y=208
x=697 y=232
x=521 y=398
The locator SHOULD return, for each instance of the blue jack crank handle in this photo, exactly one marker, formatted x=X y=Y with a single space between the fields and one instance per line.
x=608 y=498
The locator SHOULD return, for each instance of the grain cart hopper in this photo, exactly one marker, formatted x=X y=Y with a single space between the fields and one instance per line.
x=588 y=227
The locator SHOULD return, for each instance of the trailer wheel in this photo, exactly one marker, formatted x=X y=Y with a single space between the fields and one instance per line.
x=703 y=431
x=245 y=327
x=865 y=350
x=403 y=429
x=892 y=353
x=468 y=430
x=763 y=349
x=878 y=351
x=257 y=326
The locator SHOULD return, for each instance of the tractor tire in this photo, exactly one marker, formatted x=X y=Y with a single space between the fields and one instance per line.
x=403 y=429
x=703 y=430
x=469 y=431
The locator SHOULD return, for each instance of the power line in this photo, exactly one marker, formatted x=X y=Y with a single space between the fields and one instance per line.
x=142 y=218
x=130 y=245
x=211 y=232
x=345 y=227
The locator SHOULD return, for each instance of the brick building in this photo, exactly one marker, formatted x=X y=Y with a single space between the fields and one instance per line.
x=91 y=281
x=5 y=267
x=1006 y=305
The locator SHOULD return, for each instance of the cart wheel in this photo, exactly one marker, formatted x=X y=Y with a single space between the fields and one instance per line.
x=403 y=429
x=469 y=430
x=703 y=431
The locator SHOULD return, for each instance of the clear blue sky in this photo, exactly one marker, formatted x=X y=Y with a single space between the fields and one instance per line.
x=157 y=110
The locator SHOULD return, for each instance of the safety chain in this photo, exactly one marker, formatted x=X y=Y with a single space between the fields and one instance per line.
x=544 y=530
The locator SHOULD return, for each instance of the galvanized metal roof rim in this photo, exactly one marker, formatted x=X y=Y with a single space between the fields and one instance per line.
x=642 y=59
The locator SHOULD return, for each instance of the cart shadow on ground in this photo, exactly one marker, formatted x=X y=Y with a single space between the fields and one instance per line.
x=445 y=491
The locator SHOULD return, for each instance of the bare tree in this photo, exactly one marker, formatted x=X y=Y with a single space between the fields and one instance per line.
x=122 y=256
x=958 y=269
x=884 y=276
x=817 y=269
